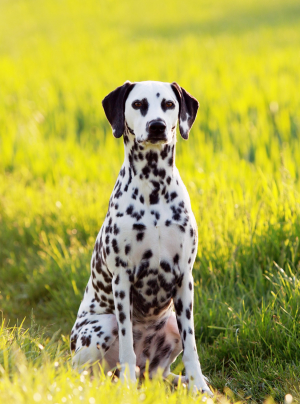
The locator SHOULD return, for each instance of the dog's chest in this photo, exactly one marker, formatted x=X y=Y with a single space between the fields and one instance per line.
x=136 y=232
x=151 y=242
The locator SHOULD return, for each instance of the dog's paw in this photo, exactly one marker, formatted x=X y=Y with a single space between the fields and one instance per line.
x=199 y=385
x=128 y=374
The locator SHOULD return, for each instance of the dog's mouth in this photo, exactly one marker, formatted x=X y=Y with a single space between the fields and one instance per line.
x=157 y=139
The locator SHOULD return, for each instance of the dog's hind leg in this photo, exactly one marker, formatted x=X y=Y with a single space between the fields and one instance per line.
x=95 y=339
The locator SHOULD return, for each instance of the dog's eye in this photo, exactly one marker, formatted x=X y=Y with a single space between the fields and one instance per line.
x=137 y=104
x=169 y=104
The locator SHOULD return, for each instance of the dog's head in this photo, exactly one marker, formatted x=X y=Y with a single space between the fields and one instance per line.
x=150 y=109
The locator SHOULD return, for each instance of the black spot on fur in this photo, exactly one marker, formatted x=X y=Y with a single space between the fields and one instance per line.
x=86 y=340
x=137 y=335
x=182 y=229
x=149 y=339
x=176 y=259
x=122 y=317
x=146 y=171
x=154 y=198
x=173 y=195
x=162 y=173
x=116 y=229
x=179 y=325
x=152 y=157
x=160 y=342
x=139 y=227
x=160 y=325
x=165 y=266
x=115 y=246
x=166 y=351
x=122 y=172
x=139 y=236
x=139 y=284
x=129 y=210
x=154 y=363
x=73 y=342
x=178 y=307
x=147 y=254
x=164 y=152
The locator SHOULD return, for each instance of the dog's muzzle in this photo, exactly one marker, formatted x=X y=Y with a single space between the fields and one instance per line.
x=156 y=130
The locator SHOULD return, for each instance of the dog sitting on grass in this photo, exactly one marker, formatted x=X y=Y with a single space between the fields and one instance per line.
x=138 y=304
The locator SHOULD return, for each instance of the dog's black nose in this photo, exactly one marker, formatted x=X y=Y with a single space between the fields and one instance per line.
x=157 y=127
x=157 y=130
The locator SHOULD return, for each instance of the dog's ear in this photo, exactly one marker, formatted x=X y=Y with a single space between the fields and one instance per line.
x=188 y=107
x=114 y=107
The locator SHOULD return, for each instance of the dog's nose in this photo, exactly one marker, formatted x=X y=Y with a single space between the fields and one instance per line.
x=157 y=128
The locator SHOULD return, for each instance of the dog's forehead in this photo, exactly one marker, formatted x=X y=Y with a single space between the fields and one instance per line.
x=152 y=90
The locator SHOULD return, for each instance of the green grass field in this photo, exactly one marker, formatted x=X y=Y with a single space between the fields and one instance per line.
x=241 y=165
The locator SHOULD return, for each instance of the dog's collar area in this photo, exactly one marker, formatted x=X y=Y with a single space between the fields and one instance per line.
x=147 y=157
x=151 y=163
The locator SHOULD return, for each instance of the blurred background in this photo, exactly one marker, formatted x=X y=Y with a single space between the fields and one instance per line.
x=241 y=165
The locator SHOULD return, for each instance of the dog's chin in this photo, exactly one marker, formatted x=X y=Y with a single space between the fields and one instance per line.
x=156 y=141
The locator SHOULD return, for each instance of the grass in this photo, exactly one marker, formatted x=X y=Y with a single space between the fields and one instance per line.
x=59 y=162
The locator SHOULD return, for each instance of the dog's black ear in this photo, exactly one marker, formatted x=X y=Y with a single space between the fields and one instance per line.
x=188 y=107
x=114 y=107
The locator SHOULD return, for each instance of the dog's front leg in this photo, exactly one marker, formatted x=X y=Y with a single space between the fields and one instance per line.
x=183 y=302
x=123 y=305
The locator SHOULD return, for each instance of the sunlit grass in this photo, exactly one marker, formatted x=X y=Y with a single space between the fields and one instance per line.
x=32 y=372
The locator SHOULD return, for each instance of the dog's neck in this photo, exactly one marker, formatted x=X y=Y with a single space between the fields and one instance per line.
x=149 y=162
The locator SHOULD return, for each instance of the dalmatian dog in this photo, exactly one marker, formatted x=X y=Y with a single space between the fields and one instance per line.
x=137 y=310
